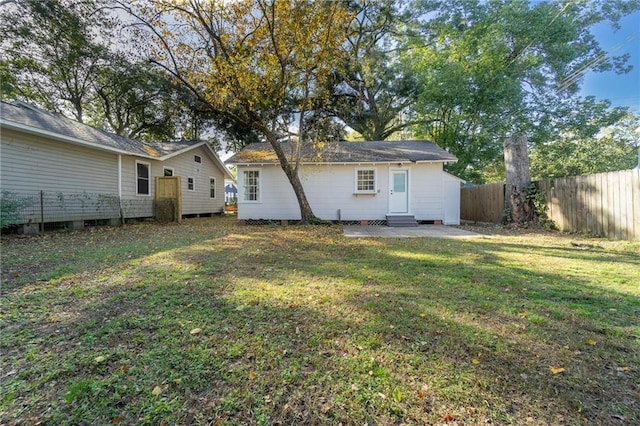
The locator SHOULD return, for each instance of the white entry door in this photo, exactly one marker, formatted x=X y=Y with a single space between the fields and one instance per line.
x=398 y=192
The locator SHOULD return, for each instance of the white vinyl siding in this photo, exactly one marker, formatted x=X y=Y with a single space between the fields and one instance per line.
x=32 y=163
x=198 y=200
x=330 y=191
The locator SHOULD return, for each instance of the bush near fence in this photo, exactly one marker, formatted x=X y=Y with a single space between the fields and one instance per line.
x=603 y=204
x=44 y=207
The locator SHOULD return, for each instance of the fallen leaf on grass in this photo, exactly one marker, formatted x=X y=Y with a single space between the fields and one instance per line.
x=157 y=390
x=195 y=331
x=118 y=419
x=397 y=395
x=475 y=361
x=448 y=418
x=252 y=375
x=99 y=359
x=556 y=370
x=124 y=368
x=591 y=342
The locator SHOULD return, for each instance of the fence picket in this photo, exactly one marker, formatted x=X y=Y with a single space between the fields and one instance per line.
x=604 y=204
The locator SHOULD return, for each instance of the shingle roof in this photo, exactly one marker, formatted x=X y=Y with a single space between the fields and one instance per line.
x=348 y=152
x=34 y=118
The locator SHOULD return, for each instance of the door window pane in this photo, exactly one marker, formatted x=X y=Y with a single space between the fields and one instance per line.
x=399 y=182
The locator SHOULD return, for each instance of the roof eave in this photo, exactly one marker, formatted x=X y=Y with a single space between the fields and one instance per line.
x=208 y=148
x=345 y=163
x=76 y=141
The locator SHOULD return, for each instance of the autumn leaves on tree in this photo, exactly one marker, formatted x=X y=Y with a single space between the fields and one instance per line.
x=462 y=74
x=259 y=63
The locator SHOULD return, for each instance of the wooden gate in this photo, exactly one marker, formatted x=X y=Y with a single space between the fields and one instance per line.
x=168 y=199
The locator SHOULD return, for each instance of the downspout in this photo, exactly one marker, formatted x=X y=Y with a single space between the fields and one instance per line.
x=120 y=189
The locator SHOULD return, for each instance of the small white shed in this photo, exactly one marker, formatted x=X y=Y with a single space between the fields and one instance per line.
x=375 y=182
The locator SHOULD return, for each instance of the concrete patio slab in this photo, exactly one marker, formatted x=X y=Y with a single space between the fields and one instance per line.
x=436 y=231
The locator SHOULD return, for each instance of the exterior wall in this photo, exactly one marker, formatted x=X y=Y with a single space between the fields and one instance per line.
x=330 y=191
x=427 y=191
x=31 y=163
x=452 y=201
x=183 y=165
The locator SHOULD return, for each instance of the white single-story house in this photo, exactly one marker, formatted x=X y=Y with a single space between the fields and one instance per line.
x=72 y=172
x=379 y=182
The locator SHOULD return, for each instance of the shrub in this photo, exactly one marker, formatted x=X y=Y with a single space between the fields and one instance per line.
x=10 y=206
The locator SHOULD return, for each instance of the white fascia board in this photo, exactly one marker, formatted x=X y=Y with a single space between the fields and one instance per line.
x=57 y=136
x=198 y=145
x=435 y=161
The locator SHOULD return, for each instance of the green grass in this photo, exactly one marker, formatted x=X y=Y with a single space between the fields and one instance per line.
x=299 y=325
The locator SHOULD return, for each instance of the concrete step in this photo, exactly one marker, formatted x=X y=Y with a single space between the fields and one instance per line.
x=401 y=221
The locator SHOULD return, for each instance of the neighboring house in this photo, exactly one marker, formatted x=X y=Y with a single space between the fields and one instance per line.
x=48 y=154
x=230 y=193
x=381 y=182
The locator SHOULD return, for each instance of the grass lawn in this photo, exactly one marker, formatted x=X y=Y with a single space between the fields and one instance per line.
x=209 y=322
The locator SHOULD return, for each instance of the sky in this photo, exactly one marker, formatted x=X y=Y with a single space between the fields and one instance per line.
x=623 y=89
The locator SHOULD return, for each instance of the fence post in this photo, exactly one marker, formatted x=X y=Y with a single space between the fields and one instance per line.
x=121 y=211
x=42 y=212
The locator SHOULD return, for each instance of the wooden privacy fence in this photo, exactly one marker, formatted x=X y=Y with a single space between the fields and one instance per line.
x=484 y=203
x=604 y=204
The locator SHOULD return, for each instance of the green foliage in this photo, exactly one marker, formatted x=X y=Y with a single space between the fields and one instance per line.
x=371 y=88
x=10 y=206
x=493 y=69
x=74 y=58
x=51 y=50
x=540 y=208
x=575 y=152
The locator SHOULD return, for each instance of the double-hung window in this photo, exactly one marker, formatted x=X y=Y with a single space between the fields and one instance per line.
x=190 y=184
x=251 y=184
x=365 y=181
x=143 y=176
x=212 y=187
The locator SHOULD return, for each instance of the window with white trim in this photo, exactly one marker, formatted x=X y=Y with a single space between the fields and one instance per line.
x=251 y=184
x=191 y=184
x=365 y=180
x=168 y=171
x=212 y=187
x=143 y=178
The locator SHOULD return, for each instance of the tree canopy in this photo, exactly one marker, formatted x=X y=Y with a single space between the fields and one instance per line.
x=499 y=68
x=464 y=74
x=74 y=58
x=261 y=65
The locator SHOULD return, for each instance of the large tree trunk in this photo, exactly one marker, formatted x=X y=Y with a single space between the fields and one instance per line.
x=292 y=174
x=518 y=207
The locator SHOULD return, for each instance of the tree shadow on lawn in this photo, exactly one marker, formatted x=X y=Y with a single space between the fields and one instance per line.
x=207 y=357
x=307 y=327
x=515 y=322
x=493 y=322
x=26 y=259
